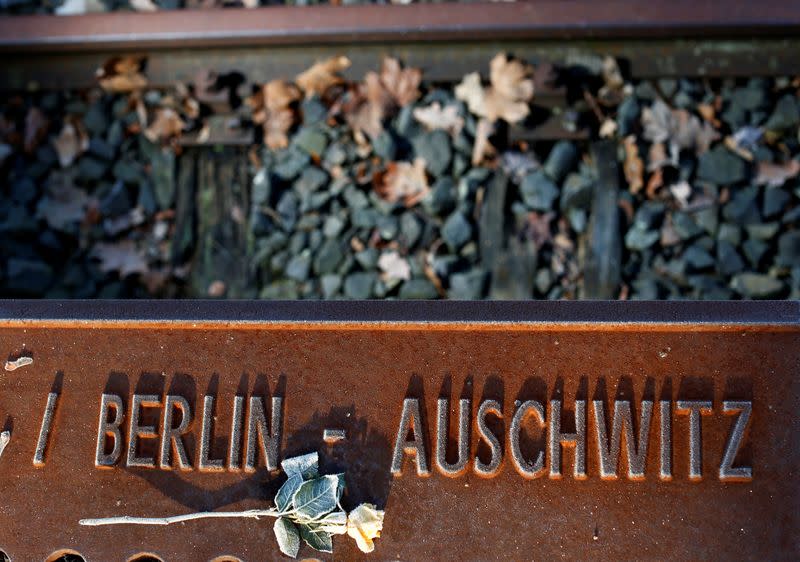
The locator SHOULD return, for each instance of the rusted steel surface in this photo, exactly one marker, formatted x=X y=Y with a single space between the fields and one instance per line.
x=353 y=366
x=279 y=25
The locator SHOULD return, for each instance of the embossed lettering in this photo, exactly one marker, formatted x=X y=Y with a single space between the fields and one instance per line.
x=206 y=463
x=137 y=431
x=489 y=407
x=107 y=429
x=268 y=437
x=577 y=439
x=410 y=420
x=622 y=419
x=235 y=451
x=525 y=468
x=44 y=432
x=726 y=470
x=442 y=427
x=171 y=438
x=665 y=431
x=695 y=409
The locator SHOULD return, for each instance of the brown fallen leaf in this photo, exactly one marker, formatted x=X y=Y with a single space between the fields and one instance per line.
x=669 y=236
x=633 y=167
x=401 y=83
x=508 y=95
x=216 y=289
x=143 y=5
x=271 y=107
x=404 y=181
x=677 y=127
x=167 y=125
x=436 y=117
x=35 y=128
x=775 y=175
x=537 y=228
x=322 y=75
x=122 y=74
x=122 y=257
x=71 y=142
x=613 y=90
x=681 y=191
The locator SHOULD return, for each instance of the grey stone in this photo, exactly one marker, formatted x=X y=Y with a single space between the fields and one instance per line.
x=757 y=285
x=697 y=258
x=743 y=206
x=442 y=197
x=116 y=202
x=290 y=163
x=388 y=227
x=364 y=218
x=385 y=146
x=789 y=249
x=470 y=285
x=785 y=115
x=576 y=191
x=685 y=226
x=360 y=285
x=728 y=259
x=367 y=258
x=299 y=266
x=544 y=280
x=456 y=231
x=311 y=179
x=330 y=285
x=328 y=257
x=649 y=215
x=355 y=198
x=311 y=140
x=100 y=148
x=280 y=290
x=410 y=228
x=562 y=158
x=27 y=276
x=313 y=110
x=261 y=188
x=775 y=201
x=418 y=289
x=708 y=219
x=538 y=191
x=578 y=219
x=333 y=226
x=297 y=242
x=720 y=166
x=730 y=233
x=638 y=238
x=96 y=119
x=627 y=116
x=287 y=209
x=763 y=230
x=435 y=148
x=92 y=169
x=754 y=251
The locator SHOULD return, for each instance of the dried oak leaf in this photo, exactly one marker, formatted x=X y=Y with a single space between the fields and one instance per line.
x=775 y=175
x=402 y=84
x=71 y=142
x=144 y=5
x=511 y=89
x=322 y=75
x=404 y=181
x=122 y=257
x=35 y=128
x=167 y=124
x=271 y=107
x=436 y=117
x=633 y=167
x=122 y=74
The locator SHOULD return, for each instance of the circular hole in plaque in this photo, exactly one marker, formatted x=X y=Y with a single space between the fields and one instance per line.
x=4 y=557
x=65 y=555
x=144 y=557
x=225 y=559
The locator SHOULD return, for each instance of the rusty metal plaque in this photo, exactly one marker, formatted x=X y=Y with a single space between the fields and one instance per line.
x=483 y=431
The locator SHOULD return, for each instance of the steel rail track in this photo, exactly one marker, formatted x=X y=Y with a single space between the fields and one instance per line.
x=281 y=25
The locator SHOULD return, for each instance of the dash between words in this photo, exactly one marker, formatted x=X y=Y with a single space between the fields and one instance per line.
x=255 y=433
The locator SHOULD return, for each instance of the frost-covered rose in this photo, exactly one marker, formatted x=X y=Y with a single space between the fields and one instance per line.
x=364 y=523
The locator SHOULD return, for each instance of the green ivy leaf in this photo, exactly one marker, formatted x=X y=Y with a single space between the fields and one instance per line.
x=287 y=535
x=316 y=538
x=306 y=466
x=283 y=499
x=315 y=498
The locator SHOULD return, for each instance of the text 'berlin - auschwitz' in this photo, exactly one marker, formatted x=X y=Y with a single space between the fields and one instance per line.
x=256 y=429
